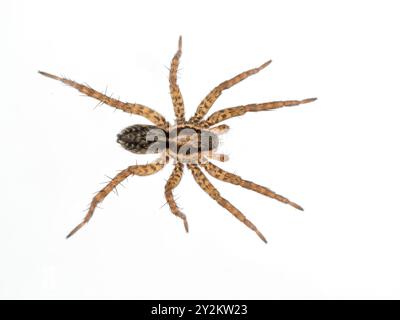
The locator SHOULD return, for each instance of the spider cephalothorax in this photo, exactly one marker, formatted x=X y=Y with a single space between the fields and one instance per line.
x=189 y=143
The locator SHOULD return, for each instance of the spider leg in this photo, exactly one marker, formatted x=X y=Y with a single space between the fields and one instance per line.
x=206 y=185
x=175 y=92
x=223 y=175
x=133 y=108
x=216 y=156
x=172 y=183
x=221 y=129
x=139 y=170
x=209 y=100
x=228 y=113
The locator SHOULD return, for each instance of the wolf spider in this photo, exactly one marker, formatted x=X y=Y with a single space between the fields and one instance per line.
x=186 y=142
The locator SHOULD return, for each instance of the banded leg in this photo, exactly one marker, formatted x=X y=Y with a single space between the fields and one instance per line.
x=228 y=113
x=206 y=185
x=223 y=175
x=133 y=108
x=175 y=92
x=209 y=100
x=173 y=181
x=139 y=170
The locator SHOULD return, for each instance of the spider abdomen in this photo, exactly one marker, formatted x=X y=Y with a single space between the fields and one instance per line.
x=142 y=139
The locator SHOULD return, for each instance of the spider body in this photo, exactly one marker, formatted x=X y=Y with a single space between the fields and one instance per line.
x=188 y=142
x=183 y=142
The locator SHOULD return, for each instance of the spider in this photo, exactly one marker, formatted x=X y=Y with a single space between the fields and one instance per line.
x=188 y=142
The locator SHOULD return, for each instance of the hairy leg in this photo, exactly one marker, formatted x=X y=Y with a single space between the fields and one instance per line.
x=209 y=100
x=228 y=113
x=138 y=170
x=223 y=175
x=133 y=108
x=173 y=181
x=177 y=99
x=206 y=185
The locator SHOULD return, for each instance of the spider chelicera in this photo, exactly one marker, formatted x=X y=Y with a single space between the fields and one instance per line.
x=188 y=142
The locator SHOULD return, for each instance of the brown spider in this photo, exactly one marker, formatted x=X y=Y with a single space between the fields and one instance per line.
x=186 y=142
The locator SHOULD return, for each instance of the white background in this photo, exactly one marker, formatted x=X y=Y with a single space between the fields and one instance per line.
x=337 y=157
